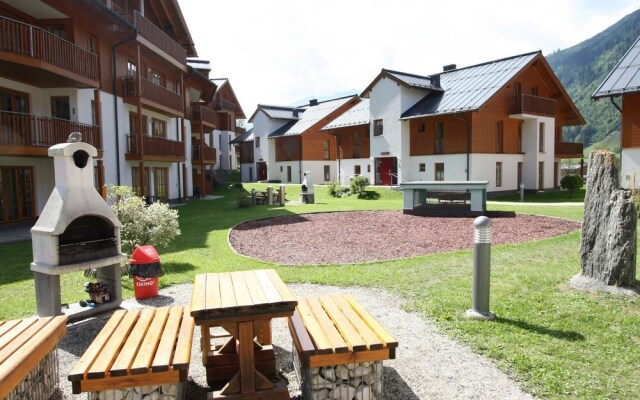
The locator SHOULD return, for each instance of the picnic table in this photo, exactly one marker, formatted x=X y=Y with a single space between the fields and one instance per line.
x=243 y=303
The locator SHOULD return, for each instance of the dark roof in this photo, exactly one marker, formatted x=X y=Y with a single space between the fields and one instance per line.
x=311 y=116
x=625 y=77
x=467 y=89
x=406 y=79
x=356 y=115
x=282 y=131
x=279 y=112
x=245 y=137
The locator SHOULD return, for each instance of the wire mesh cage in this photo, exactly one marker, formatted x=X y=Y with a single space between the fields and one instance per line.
x=41 y=382
x=441 y=199
x=356 y=381
x=167 y=392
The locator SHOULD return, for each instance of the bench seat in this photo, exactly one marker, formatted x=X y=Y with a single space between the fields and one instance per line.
x=27 y=347
x=136 y=348
x=339 y=346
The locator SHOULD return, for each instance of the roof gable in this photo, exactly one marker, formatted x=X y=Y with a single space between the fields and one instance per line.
x=225 y=91
x=625 y=76
x=278 y=112
x=405 y=79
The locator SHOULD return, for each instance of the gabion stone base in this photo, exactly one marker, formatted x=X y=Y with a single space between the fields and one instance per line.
x=357 y=381
x=41 y=382
x=173 y=391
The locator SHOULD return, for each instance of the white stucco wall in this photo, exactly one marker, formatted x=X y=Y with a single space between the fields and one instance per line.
x=483 y=168
x=277 y=174
x=347 y=167
x=248 y=172
x=533 y=155
x=454 y=167
x=630 y=168
x=385 y=104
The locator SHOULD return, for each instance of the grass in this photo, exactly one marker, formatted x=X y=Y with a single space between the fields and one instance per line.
x=556 y=342
x=556 y=196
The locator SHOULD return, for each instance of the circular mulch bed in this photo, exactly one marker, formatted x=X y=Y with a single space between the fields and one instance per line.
x=361 y=236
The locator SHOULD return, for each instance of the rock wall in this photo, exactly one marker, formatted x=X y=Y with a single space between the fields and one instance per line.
x=173 y=391
x=357 y=381
x=608 y=247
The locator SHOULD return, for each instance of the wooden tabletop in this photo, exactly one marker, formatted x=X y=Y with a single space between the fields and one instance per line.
x=241 y=294
x=23 y=343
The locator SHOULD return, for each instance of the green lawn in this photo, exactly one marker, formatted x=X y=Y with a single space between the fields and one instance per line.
x=559 y=196
x=558 y=343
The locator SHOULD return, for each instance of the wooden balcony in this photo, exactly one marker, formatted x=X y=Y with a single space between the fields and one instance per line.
x=203 y=115
x=154 y=149
x=224 y=105
x=155 y=36
x=568 y=150
x=35 y=56
x=533 y=105
x=153 y=95
x=32 y=135
x=203 y=153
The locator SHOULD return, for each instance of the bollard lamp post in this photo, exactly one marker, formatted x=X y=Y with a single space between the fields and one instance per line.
x=481 y=270
x=521 y=192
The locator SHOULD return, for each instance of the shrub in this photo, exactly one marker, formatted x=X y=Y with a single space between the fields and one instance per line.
x=359 y=184
x=156 y=224
x=571 y=183
x=243 y=201
x=337 y=190
x=234 y=175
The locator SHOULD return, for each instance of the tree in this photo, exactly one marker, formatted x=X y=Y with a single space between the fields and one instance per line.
x=571 y=183
x=156 y=224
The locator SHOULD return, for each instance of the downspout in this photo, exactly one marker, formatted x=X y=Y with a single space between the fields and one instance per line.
x=615 y=105
x=468 y=125
x=115 y=98
x=338 y=156
x=300 y=160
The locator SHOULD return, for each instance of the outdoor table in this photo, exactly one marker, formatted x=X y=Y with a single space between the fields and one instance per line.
x=242 y=303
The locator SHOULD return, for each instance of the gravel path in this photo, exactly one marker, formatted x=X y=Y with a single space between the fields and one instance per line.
x=362 y=236
x=429 y=365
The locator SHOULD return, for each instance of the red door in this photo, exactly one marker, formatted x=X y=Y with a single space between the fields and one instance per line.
x=262 y=171
x=385 y=169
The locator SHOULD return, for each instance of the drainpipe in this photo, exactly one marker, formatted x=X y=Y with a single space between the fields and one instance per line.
x=468 y=125
x=115 y=98
x=615 y=105
x=338 y=157
x=300 y=160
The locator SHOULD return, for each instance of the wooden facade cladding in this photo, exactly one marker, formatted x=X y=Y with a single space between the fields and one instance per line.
x=287 y=148
x=246 y=152
x=155 y=149
x=203 y=153
x=28 y=134
x=568 y=150
x=30 y=53
x=345 y=138
x=423 y=141
x=630 y=121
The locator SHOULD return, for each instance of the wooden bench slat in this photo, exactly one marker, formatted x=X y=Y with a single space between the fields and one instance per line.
x=18 y=328
x=227 y=294
x=330 y=330
x=198 y=294
x=20 y=338
x=243 y=297
x=26 y=357
x=301 y=338
x=255 y=289
x=284 y=291
x=212 y=289
x=147 y=351
x=349 y=333
x=379 y=330
x=164 y=352
x=182 y=356
x=322 y=344
x=373 y=341
x=269 y=289
x=130 y=349
x=109 y=352
x=7 y=326
x=95 y=348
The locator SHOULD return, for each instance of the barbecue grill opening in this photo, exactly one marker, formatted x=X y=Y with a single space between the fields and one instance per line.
x=87 y=238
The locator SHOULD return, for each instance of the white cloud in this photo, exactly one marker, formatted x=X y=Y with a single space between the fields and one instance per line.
x=277 y=51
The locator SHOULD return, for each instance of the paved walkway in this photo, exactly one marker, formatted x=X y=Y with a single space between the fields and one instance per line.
x=16 y=232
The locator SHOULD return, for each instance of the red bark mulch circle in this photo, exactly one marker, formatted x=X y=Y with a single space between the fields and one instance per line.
x=363 y=236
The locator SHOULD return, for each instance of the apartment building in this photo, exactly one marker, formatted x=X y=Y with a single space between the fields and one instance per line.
x=121 y=72
x=226 y=131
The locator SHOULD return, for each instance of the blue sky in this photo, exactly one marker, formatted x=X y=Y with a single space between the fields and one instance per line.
x=279 y=51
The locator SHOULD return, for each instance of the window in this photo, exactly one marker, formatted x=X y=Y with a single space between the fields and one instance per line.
x=135 y=181
x=325 y=150
x=281 y=168
x=439 y=138
x=368 y=167
x=155 y=76
x=534 y=90
x=356 y=170
x=356 y=144
x=422 y=167
x=57 y=30
x=132 y=69
x=519 y=174
x=498 y=174
x=93 y=44
x=257 y=142
x=158 y=128
x=220 y=141
x=439 y=175
x=541 y=138
x=94 y=116
x=161 y=183
x=288 y=173
x=520 y=138
x=540 y=175
x=377 y=127
x=327 y=173
x=60 y=107
x=499 y=137
x=422 y=127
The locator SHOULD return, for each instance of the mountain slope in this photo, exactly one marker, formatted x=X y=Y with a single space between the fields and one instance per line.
x=583 y=67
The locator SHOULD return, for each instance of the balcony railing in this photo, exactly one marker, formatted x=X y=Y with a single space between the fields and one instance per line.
x=155 y=35
x=18 y=129
x=203 y=152
x=155 y=146
x=535 y=105
x=153 y=92
x=568 y=150
x=202 y=113
x=224 y=105
x=30 y=41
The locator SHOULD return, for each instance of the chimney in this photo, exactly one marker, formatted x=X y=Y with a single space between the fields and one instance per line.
x=449 y=67
x=435 y=80
x=313 y=102
x=295 y=113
